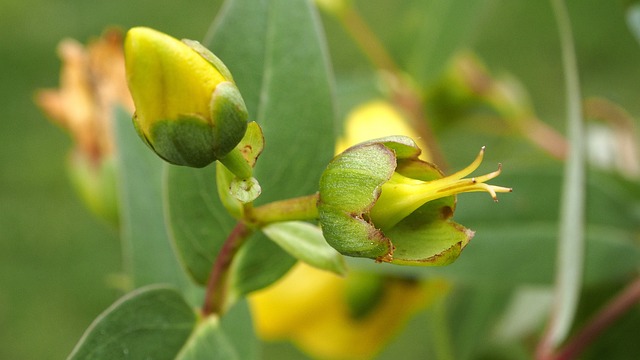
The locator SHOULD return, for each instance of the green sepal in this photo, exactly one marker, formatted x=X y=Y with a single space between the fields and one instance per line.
x=229 y=115
x=349 y=187
x=428 y=237
x=188 y=140
x=250 y=147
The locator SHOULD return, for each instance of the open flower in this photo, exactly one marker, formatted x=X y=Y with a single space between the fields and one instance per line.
x=333 y=317
x=379 y=200
x=188 y=109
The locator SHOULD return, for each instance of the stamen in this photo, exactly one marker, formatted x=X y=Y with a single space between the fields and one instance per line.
x=469 y=169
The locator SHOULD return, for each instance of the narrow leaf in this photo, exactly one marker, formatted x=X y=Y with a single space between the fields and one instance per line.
x=150 y=323
x=305 y=242
x=571 y=238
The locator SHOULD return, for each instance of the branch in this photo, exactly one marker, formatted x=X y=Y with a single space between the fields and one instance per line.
x=216 y=293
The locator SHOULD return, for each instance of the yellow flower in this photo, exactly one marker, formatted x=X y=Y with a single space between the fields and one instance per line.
x=374 y=120
x=310 y=307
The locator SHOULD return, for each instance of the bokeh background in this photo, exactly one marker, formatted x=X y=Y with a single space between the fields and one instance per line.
x=57 y=261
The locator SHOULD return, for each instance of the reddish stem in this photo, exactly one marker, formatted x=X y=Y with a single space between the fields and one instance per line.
x=615 y=308
x=216 y=292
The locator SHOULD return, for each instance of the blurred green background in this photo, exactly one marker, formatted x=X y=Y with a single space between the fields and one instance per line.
x=56 y=259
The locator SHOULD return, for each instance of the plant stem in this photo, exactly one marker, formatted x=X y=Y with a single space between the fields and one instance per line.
x=237 y=164
x=300 y=208
x=216 y=293
x=615 y=308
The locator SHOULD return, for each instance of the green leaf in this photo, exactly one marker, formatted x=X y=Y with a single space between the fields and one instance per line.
x=281 y=67
x=258 y=264
x=208 y=342
x=237 y=325
x=148 y=254
x=150 y=323
x=198 y=222
x=305 y=242
x=278 y=59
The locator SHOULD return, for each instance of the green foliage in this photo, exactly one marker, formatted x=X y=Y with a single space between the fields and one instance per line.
x=173 y=224
x=151 y=322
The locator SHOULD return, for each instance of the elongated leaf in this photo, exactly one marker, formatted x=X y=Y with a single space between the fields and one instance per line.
x=148 y=255
x=150 y=323
x=571 y=238
x=208 y=342
x=305 y=242
x=276 y=53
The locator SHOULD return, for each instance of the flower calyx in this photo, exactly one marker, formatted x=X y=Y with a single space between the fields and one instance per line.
x=379 y=200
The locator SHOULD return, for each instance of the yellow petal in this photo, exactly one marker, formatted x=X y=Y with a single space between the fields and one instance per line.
x=374 y=120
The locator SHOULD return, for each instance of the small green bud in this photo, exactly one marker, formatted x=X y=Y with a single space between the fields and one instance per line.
x=379 y=200
x=188 y=109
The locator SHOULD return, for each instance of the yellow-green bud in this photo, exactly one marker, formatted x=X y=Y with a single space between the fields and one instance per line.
x=188 y=109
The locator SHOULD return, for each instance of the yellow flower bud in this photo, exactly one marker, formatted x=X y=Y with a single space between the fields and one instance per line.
x=188 y=109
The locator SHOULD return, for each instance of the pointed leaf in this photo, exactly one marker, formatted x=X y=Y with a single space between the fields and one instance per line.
x=306 y=243
x=150 y=323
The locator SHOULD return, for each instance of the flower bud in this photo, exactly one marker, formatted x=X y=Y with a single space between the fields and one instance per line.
x=188 y=109
x=379 y=200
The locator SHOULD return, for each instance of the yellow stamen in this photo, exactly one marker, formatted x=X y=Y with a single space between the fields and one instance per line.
x=401 y=195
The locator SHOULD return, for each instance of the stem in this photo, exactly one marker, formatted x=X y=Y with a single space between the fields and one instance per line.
x=300 y=208
x=403 y=94
x=216 y=293
x=237 y=164
x=615 y=308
